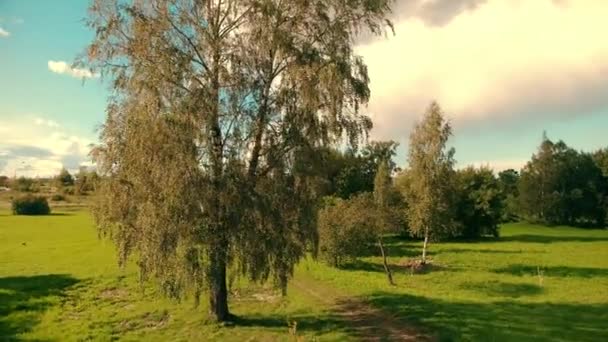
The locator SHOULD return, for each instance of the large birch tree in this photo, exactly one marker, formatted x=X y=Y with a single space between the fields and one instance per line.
x=214 y=105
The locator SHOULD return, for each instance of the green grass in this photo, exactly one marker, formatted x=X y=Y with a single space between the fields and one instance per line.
x=535 y=283
x=59 y=282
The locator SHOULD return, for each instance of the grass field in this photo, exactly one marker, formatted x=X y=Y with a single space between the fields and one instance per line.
x=59 y=282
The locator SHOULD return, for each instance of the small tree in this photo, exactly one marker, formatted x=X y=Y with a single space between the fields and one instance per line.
x=346 y=228
x=507 y=181
x=64 y=179
x=4 y=181
x=24 y=184
x=85 y=181
x=382 y=194
x=430 y=212
x=480 y=202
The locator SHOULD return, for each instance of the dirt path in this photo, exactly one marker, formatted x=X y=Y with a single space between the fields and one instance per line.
x=367 y=322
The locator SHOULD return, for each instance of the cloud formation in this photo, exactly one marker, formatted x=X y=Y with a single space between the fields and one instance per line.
x=4 y=33
x=433 y=12
x=61 y=67
x=34 y=146
x=46 y=122
x=494 y=61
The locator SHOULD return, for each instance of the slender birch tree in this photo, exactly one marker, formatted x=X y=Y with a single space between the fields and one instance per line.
x=430 y=211
x=382 y=194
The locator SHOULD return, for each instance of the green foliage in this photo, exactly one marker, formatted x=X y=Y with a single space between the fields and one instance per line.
x=64 y=178
x=389 y=203
x=58 y=197
x=68 y=190
x=85 y=181
x=600 y=157
x=30 y=205
x=382 y=187
x=563 y=186
x=214 y=107
x=479 y=203
x=429 y=194
x=508 y=181
x=24 y=184
x=350 y=173
x=5 y=181
x=347 y=228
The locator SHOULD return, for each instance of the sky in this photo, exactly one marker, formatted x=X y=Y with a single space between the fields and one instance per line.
x=503 y=71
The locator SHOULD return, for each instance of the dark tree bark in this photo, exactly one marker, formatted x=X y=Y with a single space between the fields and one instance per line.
x=218 y=291
x=387 y=270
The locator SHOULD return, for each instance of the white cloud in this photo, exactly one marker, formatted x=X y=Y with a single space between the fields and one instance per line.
x=493 y=61
x=4 y=33
x=39 y=149
x=61 y=67
x=46 y=122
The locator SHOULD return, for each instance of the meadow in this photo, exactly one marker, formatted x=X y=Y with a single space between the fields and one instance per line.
x=58 y=281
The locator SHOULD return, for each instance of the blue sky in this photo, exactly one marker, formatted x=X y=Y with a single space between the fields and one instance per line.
x=503 y=71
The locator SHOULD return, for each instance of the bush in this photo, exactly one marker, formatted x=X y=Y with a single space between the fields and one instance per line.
x=58 y=197
x=346 y=229
x=68 y=190
x=479 y=204
x=31 y=205
x=23 y=184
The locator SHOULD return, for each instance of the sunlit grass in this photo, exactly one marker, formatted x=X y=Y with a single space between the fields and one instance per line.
x=58 y=281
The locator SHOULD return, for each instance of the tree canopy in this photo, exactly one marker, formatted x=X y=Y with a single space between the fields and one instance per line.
x=430 y=211
x=216 y=104
x=560 y=185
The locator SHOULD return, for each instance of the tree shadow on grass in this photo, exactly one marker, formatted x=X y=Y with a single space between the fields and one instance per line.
x=485 y=251
x=306 y=323
x=361 y=265
x=24 y=299
x=553 y=271
x=396 y=246
x=503 y=289
x=550 y=239
x=500 y=321
x=351 y=317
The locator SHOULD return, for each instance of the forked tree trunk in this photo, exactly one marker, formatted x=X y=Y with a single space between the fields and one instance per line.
x=218 y=291
x=387 y=270
x=426 y=241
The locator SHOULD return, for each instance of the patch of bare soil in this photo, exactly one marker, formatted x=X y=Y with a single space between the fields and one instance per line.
x=150 y=320
x=269 y=295
x=367 y=322
x=415 y=266
x=113 y=293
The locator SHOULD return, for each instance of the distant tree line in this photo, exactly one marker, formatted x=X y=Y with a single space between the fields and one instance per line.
x=432 y=200
x=81 y=183
x=560 y=185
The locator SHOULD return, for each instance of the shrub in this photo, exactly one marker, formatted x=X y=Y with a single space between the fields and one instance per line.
x=479 y=205
x=31 y=205
x=23 y=184
x=346 y=229
x=68 y=190
x=58 y=197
